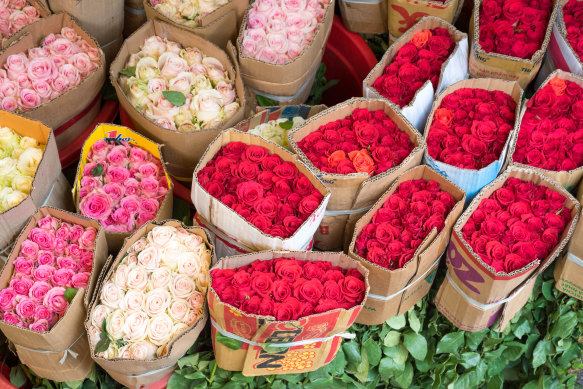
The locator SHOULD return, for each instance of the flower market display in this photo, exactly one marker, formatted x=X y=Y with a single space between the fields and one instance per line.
x=178 y=88
x=15 y=14
x=276 y=130
x=56 y=256
x=572 y=11
x=187 y=12
x=155 y=293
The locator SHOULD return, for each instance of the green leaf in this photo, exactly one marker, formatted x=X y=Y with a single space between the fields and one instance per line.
x=398 y=353
x=405 y=378
x=87 y=384
x=373 y=351
x=338 y=364
x=189 y=360
x=388 y=367
x=564 y=326
x=522 y=327
x=97 y=170
x=514 y=350
x=74 y=384
x=363 y=367
x=70 y=294
x=231 y=343
x=470 y=359
x=392 y=339
x=286 y=125
x=465 y=381
x=351 y=352
x=414 y=322
x=474 y=339
x=17 y=376
x=547 y=290
x=103 y=343
x=415 y=344
x=539 y=355
x=495 y=366
x=450 y=343
x=266 y=102
x=130 y=71
x=495 y=382
x=397 y=322
x=175 y=98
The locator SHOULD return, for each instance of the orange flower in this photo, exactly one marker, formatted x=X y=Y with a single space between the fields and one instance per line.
x=336 y=157
x=362 y=161
x=443 y=115
x=559 y=85
x=420 y=39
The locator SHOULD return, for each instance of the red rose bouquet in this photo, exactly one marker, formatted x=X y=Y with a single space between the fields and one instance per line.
x=573 y=18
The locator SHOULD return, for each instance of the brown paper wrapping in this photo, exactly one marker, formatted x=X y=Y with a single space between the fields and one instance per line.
x=403 y=14
x=569 y=269
x=365 y=17
x=42 y=353
x=182 y=151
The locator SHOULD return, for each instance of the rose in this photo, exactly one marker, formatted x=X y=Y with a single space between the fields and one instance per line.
x=362 y=161
x=7 y=299
x=182 y=286
x=160 y=278
x=99 y=313
x=55 y=300
x=142 y=350
x=41 y=326
x=115 y=324
x=23 y=266
x=179 y=309
x=97 y=205
x=160 y=329
x=352 y=289
x=287 y=310
x=310 y=291
x=135 y=327
x=196 y=301
x=67 y=263
x=26 y=307
x=43 y=273
x=80 y=280
x=137 y=277
x=111 y=295
x=156 y=301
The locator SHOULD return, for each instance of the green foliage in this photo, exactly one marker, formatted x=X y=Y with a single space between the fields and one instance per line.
x=320 y=86
x=175 y=98
x=70 y=293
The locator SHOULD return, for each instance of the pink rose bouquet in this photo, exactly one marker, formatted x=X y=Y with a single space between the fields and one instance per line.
x=277 y=31
x=122 y=185
x=53 y=262
x=156 y=292
x=178 y=88
x=15 y=14
x=43 y=73
x=187 y=12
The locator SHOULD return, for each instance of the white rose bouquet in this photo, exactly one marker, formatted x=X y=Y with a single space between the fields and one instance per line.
x=186 y=12
x=156 y=292
x=276 y=130
x=178 y=88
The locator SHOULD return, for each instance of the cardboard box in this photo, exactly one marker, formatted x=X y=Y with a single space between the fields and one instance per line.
x=133 y=373
x=454 y=69
x=523 y=71
x=364 y=16
x=568 y=179
x=115 y=239
x=403 y=14
x=134 y=16
x=62 y=354
x=472 y=181
x=182 y=151
x=252 y=330
x=569 y=269
x=233 y=225
x=353 y=194
x=393 y=292
x=472 y=296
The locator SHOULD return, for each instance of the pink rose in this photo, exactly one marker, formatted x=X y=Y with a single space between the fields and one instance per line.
x=42 y=238
x=87 y=239
x=49 y=39
x=137 y=278
x=182 y=286
x=44 y=313
x=137 y=155
x=67 y=263
x=117 y=174
x=28 y=99
x=149 y=205
x=39 y=290
x=12 y=318
x=23 y=82
x=29 y=249
x=157 y=301
x=149 y=186
x=7 y=297
x=97 y=205
x=172 y=66
x=41 y=69
x=62 y=277
x=62 y=47
x=60 y=246
x=267 y=54
x=70 y=74
x=75 y=233
x=26 y=308
x=121 y=216
x=256 y=19
x=80 y=280
x=23 y=266
x=59 y=84
x=148 y=169
x=86 y=261
x=118 y=156
x=250 y=47
x=21 y=285
x=37 y=52
x=41 y=326
x=82 y=63
x=43 y=89
x=226 y=90
x=55 y=300
x=45 y=258
x=9 y=89
x=15 y=65
x=277 y=42
x=43 y=273
x=289 y=6
x=132 y=187
x=9 y=104
x=18 y=19
x=136 y=327
x=48 y=223
x=178 y=310
x=73 y=250
x=115 y=191
x=69 y=33
x=63 y=232
x=31 y=12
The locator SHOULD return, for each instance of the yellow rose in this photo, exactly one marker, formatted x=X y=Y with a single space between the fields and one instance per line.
x=8 y=170
x=22 y=184
x=29 y=160
x=9 y=140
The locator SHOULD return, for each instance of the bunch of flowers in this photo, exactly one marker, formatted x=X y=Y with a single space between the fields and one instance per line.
x=156 y=293
x=366 y=141
x=278 y=31
x=288 y=289
x=178 y=88
x=405 y=219
x=518 y=224
x=60 y=63
x=573 y=18
x=187 y=12
x=19 y=160
x=470 y=127
x=276 y=130
x=415 y=63
x=56 y=258
x=551 y=131
x=270 y=193
x=122 y=185
x=15 y=14
x=514 y=27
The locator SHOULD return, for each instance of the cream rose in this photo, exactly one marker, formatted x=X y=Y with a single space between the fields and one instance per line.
x=133 y=300
x=193 y=317
x=131 y=259
x=110 y=353
x=214 y=68
x=8 y=171
x=192 y=56
x=115 y=324
x=160 y=278
x=94 y=335
x=137 y=277
x=143 y=350
x=146 y=69
x=156 y=302
x=160 y=236
x=160 y=329
x=192 y=241
x=29 y=160
x=154 y=46
x=196 y=301
x=135 y=327
x=124 y=352
x=22 y=184
x=188 y=263
x=170 y=253
x=10 y=198
x=100 y=312
x=138 y=246
x=182 y=286
x=202 y=281
x=120 y=277
x=178 y=310
x=111 y=295
x=207 y=105
x=149 y=258
x=171 y=65
x=182 y=82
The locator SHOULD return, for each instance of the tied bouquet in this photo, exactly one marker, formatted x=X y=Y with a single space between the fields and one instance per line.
x=43 y=73
x=471 y=127
x=551 y=130
x=19 y=160
x=186 y=12
x=178 y=88
x=518 y=224
x=15 y=14
x=363 y=142
x=404 y=221
x=53 y=262
x=278 y=31
x=155 y=294
x=573 y=18
x=514 y=27
x=288 y=289
x=270 y=193
x=276 y=130
x=122 y=185
x=414 y=64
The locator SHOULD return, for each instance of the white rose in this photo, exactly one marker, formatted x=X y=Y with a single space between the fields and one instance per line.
x=169 y=254
x=230 y=109
x=161 y=236
x=182 y=286
x=138 y=245
x=207 y=105
x=192 y=241
x=196 y=301
x=135 y=326
x=137 y=277
x=154 y=46
x=29 y=160
x=149 y=258
x=146 y=69
x=156 y=302
x=134 y=59
x=115 y=324
x=178 y=310
x=133 y=300
x=9 y=140
x=94 y=335
x=160 y=278
x=188 y=263
x=120 y=277
x=137 y=92
x=188 y=127
x=160 y=329
x=142 y=350
x=100 y=312
x=111 y=295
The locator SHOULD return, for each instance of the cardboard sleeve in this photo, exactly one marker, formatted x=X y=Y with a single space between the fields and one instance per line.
x=403 y=14
x=232 y=225
x=43 y=352
x=182 y=151
x=116 y=239
x=139 y=373
x=569 y=269
x=353 y=194
x=473 y=296
x=393 y=292
x=254 y=360
x=364 y=17
x=454 y=69
x=472 y=181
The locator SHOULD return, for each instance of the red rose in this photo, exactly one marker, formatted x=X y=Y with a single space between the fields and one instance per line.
x=249 y=192
x=267 y=207
x=288 y=270
x=313 y=271
x=266 y=179
x=255 y=154
x=352 y=289
x=310 y=291
x=326 y=305
x=252 y=305
x=281 y=189
x=332 y=290
x=492 y=227
x=228 y=295
x=289 y=309
x=496 y=250
x=434 y=221
x=308 y=205
x=271 y=162
x=366 y=133
x=215 y=189
x=386 y=233
x=292 y=223
x=514 y=262
x=266 y=306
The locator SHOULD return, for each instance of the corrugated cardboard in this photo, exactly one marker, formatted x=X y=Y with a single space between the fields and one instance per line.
x=568 y=179
x=136 y=374
x=254 y=360
x=353 y=194
x=472 y=181
x=134 y=16
x=43 y=12
x=218 y=27
x=364 y=16
x=107 y=131
x=42 y=353
x=405 y=286
x=76 y=126
x=182 y=151
x=234 y=225
x=454 y=69
x=483 y=64
x=61 y=109
x=569 y=269
x=403 y=14
x=472 y=296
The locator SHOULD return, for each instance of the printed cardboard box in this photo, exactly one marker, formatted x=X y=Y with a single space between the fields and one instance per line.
x=306 y=344
x=473 y=296
x=353 y=194
x=569 y=269
x=403 y=14
x=394 y=292
x=454 y=69
x=364 y=16
x=62 y=354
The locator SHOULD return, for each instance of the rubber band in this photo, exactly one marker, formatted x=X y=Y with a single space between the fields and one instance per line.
x=347 y=212
x=575 y=259
x=67 y=351
x=363 y=1
x=134 y=11
x=285 y=99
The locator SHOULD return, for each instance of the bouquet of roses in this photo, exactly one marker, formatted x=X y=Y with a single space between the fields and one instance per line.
x=43 y=73
x=187 y=12
x=178 y=88
x=572 y=12
x=122 y=185
x=278 y=31
x=276 y=130
x=53 y=262
x=15 y=14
